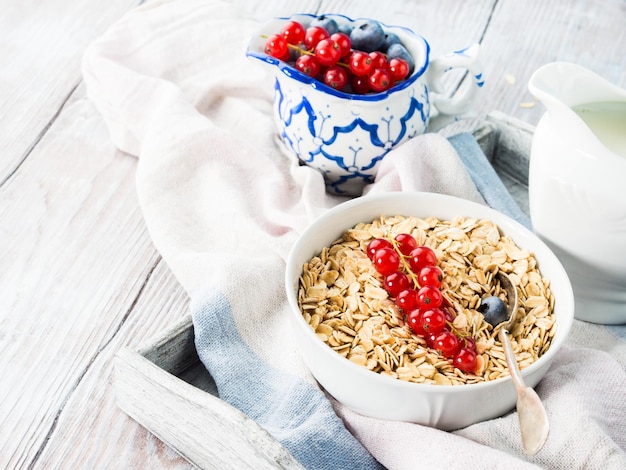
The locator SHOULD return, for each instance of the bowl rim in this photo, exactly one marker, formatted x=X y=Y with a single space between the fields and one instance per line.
x=506 y=225
x=252 y=50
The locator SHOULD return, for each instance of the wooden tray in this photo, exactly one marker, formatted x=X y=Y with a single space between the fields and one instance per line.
x=164 y=386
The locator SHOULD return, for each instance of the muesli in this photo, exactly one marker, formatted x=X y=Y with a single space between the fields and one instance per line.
x=343 y=298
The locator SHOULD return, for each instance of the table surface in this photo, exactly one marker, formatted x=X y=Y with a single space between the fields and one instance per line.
x=79 y=275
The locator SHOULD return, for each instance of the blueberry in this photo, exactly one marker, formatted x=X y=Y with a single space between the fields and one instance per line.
x=346 y=28
x=329 y=24
x=367 y=36
x=390 y=38
x=494 y=310
x=399 y=51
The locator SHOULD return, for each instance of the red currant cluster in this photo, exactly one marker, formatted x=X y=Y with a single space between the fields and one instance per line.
x=413 y=279
x=331 y=59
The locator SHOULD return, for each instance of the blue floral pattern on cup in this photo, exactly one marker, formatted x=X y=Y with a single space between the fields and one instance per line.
x=345 y=149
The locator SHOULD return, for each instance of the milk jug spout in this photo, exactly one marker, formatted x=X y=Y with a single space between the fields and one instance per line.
x=563 y=83
x=571 y=93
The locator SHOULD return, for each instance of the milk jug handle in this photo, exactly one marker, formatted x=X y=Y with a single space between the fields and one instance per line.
x=460 y=105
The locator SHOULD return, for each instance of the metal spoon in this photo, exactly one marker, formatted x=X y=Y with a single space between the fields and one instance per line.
x=533 y=419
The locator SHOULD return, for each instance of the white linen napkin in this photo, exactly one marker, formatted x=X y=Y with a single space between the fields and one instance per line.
x=224 y=205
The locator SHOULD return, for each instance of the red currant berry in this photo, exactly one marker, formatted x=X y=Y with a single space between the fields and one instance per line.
x=407 y=299
x=422 y=256
x=360 y=63
x=430 y=276
x=344 y=42
x=396 y=282
x=328 y=52
x=469 y=343
x=447 y=343
x=293 y=32
x=379 y=60
x=379 y=80
x=276 y=46
x=465 y=360
x=360 y=85
x=406 y=243
x=431 y=339
x=398 y=69
x=433 y=320
x=386 y=261
x=313 y=35
x=377 y=244
x=414 y=320
x=429 y=297
x=308 y=65
x=336 y=77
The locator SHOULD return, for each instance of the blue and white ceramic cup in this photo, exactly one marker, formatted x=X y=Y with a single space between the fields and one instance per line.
x=345 y=136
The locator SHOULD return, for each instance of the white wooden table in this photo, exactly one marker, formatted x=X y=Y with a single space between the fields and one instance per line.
x=79 y=276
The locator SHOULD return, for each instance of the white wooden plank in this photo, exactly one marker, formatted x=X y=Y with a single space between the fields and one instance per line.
x=103 y=436
x=79 y=276
x=265 y=10
x=522 y=36
x=41 y=46
x=75 y=256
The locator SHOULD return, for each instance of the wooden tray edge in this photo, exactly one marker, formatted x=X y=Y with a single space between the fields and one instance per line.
x=203 y=429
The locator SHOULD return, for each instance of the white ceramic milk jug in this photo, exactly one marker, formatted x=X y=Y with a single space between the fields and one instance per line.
x=577 y=185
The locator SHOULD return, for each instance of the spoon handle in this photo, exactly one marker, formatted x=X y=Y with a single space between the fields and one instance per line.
x=511 y=362
x=533 y=419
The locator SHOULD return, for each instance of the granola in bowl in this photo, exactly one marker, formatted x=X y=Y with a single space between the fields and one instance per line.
x=343 y=299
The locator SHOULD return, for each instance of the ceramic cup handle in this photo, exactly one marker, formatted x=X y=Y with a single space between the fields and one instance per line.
x=459 y=105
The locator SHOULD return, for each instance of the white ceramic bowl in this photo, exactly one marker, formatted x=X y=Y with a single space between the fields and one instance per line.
x=446 y=407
